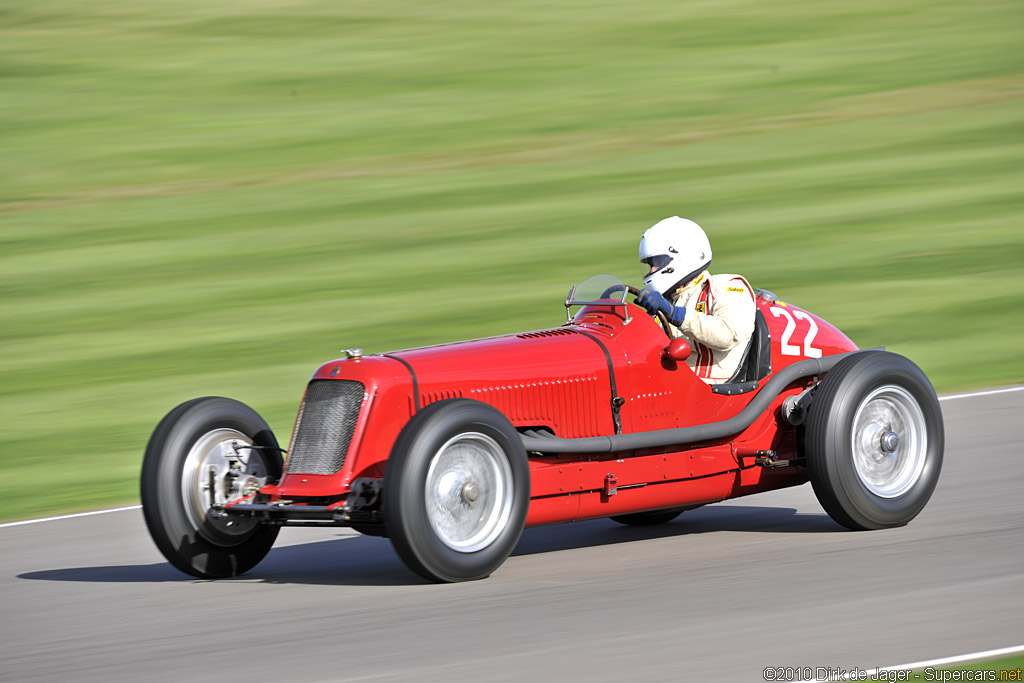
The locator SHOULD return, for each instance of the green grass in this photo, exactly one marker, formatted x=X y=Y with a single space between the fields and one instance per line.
x=1001 y=669
x=1013 y=667
x=214 y=197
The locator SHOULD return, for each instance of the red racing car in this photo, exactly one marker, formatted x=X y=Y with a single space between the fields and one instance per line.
x=451 y=450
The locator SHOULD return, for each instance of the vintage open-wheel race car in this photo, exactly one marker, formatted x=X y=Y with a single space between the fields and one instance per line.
x=451 y=450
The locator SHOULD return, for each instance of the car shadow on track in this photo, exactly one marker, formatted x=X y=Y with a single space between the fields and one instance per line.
x=347 y=559
x=367 y=561
x=709 y=519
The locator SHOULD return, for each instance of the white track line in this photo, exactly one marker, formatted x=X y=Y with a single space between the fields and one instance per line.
x=987 y=392
x=943 y=661
x=77 y=514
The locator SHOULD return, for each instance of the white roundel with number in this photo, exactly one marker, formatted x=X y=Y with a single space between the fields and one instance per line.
x=806 y=327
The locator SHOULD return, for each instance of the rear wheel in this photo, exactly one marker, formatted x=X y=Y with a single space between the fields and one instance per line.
x=874 y=441
x=207 y=452
x=456 y=491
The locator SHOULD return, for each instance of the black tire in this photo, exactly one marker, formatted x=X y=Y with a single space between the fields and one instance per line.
x=874 y=441
x=651 y=517
x=495 y=475
x=176 y=516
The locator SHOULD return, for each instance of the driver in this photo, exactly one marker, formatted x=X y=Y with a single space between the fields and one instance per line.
x=714 y=313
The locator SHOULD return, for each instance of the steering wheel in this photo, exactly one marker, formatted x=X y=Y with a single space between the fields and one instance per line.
x=607 y=294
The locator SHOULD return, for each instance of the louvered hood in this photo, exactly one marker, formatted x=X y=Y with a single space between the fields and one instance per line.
x=556 y=378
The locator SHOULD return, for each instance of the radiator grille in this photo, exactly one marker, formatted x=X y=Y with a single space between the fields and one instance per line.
x=324 y=427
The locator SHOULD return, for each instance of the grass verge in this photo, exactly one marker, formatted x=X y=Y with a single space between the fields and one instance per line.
x=213 y=198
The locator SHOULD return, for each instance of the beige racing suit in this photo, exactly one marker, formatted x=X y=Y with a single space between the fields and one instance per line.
x=719 y=321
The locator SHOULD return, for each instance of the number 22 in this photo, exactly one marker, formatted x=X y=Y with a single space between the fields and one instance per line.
x=792 y=349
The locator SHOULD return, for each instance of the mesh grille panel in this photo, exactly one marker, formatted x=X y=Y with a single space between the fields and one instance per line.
x=324 y=427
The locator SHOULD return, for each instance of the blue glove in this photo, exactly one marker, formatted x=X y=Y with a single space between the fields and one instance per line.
x=653 y=301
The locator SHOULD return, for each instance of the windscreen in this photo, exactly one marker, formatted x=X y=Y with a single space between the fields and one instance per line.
x=598 y=287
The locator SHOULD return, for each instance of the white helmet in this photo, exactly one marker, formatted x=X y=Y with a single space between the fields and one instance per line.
x=676 y=250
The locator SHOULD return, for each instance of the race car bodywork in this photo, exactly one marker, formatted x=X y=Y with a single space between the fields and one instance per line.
x=451 y=450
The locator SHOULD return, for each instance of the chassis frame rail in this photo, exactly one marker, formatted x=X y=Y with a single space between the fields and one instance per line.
x=298 y=515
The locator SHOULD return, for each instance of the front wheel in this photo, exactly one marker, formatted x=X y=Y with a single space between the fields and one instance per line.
x=206 y=452
x=456 y=491
x=874 y=441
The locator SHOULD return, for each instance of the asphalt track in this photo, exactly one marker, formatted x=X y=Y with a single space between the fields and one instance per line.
x=717 y=595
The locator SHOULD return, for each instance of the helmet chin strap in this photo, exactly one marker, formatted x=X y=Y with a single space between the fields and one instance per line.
x=689 y=278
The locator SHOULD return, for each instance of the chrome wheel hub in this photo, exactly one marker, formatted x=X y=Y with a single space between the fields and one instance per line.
x=469 y=492
x=889 y=441
x=221 y=467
